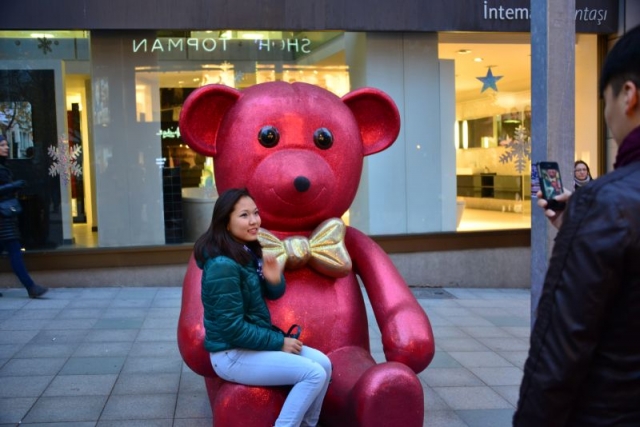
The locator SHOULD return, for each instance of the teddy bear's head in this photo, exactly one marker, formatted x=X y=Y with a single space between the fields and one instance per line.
x=297 y=148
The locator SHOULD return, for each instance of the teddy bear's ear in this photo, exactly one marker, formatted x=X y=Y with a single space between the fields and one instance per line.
x=377 y=117
x=201 y=115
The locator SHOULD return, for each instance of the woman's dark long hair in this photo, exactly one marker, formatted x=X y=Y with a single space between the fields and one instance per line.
x=217 y=240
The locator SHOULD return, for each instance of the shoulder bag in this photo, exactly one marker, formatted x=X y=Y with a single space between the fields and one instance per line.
x=10 y=208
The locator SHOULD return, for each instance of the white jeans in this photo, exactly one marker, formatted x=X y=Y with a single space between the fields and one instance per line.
x=309 y=373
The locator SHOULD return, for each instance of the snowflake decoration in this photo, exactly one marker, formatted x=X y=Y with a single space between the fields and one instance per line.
x=518 y=150
x=45 y=45
x=65 y=160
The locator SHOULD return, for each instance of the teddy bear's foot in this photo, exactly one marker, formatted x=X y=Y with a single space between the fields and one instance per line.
x=238 y=405
x=389 y=395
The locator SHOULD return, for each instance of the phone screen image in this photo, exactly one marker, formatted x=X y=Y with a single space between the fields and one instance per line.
x=550 y=183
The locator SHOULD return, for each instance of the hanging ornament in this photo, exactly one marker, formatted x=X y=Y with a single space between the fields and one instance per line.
x=64 y=160
x=489 y=81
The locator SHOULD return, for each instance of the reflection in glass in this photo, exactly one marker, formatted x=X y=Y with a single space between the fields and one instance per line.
x=101 y=114
x=16 y=124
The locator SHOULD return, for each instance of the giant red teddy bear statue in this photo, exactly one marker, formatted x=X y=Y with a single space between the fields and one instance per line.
x=299 y=149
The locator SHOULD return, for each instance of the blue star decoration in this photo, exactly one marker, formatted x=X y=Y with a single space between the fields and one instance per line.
x=489 y=81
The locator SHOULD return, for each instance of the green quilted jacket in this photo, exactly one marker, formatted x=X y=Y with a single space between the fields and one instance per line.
x=235 y=312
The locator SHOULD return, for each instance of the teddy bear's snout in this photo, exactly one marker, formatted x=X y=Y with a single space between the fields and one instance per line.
x=302 y=183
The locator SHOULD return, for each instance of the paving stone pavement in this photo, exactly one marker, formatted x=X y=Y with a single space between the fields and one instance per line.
x=107 y=357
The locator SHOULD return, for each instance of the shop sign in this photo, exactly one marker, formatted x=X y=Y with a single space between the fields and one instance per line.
x=591 y=16
x=210 y=44
x=494 y=10
x=169 y=133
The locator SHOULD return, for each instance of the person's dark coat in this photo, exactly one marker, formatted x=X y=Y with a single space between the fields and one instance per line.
x=583 y=367
x=8 y=188
x=235 y=313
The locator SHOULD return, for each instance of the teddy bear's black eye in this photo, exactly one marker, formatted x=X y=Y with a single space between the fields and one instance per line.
x=269 y=136
x=323 y=138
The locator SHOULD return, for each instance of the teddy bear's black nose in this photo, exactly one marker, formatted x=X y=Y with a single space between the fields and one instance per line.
x=302 y=183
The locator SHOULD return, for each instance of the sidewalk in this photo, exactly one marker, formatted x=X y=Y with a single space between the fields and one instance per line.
x=107 y=357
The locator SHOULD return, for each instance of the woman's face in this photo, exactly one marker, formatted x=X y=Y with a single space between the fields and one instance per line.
x=581 y=171
x=4 y=148
x=244 y=221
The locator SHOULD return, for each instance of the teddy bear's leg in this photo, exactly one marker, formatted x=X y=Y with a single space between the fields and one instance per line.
x=237 y=405
x=389 y=394
x=365 y=394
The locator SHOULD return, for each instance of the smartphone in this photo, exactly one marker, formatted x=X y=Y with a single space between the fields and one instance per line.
x=551 y=184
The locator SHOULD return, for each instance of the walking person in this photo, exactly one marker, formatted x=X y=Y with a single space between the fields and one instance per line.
x=9 y=234
x=244 y=345
x=583 y=367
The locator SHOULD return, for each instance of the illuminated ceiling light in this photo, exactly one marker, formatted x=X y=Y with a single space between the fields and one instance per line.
x=252 y=36
x=464 y=52
x=40 y=35
x=465 y=135
x=478 y=59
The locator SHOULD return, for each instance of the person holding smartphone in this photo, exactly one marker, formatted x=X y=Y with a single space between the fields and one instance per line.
x=583 y=367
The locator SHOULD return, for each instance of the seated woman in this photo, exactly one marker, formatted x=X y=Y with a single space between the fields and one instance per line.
x=244 y=346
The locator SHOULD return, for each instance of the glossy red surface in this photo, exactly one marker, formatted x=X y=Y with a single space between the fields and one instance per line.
x=220 y=121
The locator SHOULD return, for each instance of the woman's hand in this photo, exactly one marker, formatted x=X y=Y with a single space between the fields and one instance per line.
x=271 y=270
x=554 y=217
x=292 y=345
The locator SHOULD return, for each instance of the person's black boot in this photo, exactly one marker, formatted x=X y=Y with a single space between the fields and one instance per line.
x=36 y=291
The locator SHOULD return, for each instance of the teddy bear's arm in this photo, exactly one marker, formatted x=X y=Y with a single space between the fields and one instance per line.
x=406 y=332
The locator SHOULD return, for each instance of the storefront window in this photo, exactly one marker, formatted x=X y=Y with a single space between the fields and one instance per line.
x=493 y=152
x=236 y=59
x=493 y=124
x=96 y=134
x=46 y=139
x=104 y=149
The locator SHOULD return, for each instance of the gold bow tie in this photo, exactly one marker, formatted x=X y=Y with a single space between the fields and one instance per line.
x=324 y=250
